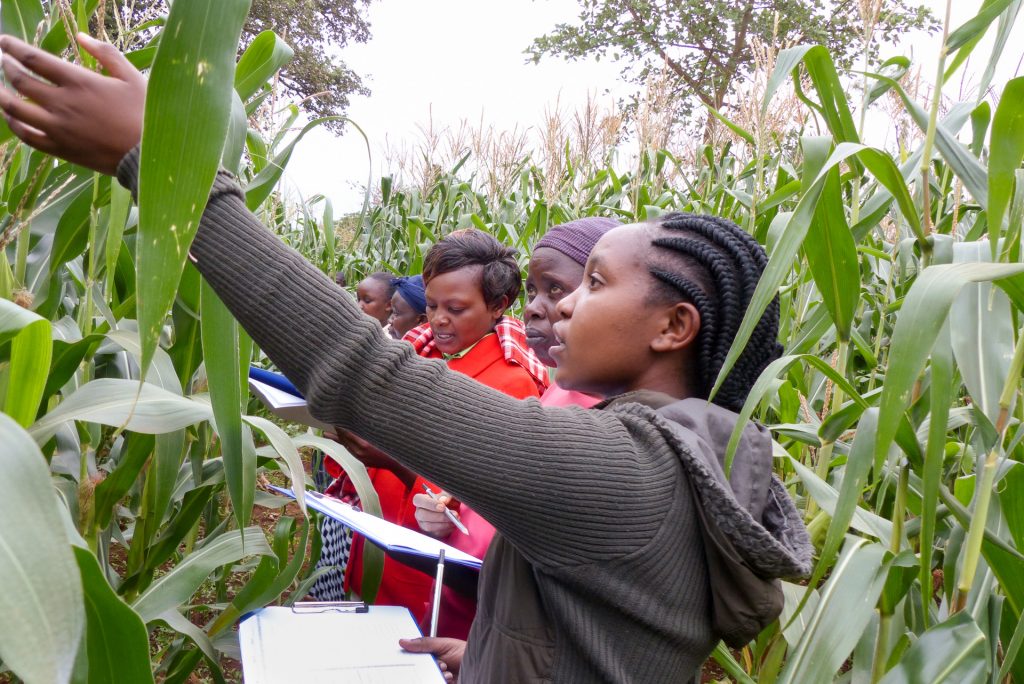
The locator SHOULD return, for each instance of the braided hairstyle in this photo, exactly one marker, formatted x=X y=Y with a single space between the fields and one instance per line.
x=715 y=265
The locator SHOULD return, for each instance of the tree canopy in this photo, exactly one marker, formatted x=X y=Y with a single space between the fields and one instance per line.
x=315 y=29
x=704 y=45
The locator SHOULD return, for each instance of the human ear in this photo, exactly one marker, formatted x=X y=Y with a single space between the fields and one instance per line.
x=679 y=330
x=498 y=310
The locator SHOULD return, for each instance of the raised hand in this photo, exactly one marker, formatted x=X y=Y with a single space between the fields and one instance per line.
x=70 y=112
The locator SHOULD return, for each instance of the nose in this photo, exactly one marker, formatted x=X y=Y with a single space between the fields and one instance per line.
x=567 y=304
x=534 y=309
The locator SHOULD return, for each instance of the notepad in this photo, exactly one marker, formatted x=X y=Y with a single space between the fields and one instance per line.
x=392 y=538
x=280 y=645
x=285 y=405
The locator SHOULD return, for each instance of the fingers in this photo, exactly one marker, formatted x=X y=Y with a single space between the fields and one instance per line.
x=17 y=110
x=30 y=135
x=116 y=64
x=418 y=645
x=40 y=62
x=426 y=503
x=25 y=83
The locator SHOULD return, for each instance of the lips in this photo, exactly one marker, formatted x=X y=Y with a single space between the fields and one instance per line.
x=559 y=344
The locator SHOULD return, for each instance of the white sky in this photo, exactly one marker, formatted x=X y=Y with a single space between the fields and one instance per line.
x=463 y=59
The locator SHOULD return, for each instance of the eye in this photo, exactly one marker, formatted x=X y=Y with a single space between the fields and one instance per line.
x=593 y=282
x=455 y=310
x=557 y=291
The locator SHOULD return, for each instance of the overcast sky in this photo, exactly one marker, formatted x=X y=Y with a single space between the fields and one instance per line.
x=463 y=59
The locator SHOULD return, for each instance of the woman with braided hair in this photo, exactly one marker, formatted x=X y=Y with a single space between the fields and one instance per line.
x=623 y=553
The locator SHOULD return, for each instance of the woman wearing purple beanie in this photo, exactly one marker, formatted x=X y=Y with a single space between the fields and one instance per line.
x=556 y=269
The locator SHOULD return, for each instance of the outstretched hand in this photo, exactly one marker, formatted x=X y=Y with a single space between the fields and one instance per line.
x=70 y=112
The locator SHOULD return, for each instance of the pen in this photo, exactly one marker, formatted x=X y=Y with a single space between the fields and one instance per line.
x=447 y=511
x=438 y=582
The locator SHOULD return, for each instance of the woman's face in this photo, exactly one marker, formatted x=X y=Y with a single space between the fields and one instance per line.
x=372 y=295
x=403 y=317
x=456 y=310
x=603 y=338
x=551 y=277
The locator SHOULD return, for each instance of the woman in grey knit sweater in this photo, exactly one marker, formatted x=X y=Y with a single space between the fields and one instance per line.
x=624 y=552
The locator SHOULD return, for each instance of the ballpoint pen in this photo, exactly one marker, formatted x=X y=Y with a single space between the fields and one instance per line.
x=447 y=511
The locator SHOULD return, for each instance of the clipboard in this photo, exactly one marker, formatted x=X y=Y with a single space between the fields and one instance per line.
x=331 y=643
x=462 y=571
x=285 y=404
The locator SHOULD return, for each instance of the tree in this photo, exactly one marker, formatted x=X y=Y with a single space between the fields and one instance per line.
x=315 y=29
x=704 y=44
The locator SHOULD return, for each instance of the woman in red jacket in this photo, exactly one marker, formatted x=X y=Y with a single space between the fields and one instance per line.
x=471 y=280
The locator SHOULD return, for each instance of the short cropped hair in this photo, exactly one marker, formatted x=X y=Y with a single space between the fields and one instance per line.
x=500 y=275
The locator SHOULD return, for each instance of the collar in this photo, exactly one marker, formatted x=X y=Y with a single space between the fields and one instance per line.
x=460 y=354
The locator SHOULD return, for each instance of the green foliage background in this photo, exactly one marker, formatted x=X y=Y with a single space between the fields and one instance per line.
x=895 y=409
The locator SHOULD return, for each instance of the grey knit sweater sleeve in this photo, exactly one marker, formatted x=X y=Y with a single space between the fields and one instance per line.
x=566 y=486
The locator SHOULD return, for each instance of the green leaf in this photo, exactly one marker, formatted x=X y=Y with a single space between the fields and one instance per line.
x=263 y=184
x=941 y=392
x=178 y=585
x=373 y=557
x=19 y=18
x=784 y=253
x=260 y=61
x=41 y=613
x=829 y=500
x=981 y=324
x=764 y=384
x=1006 y=152
x=963 y=40
x=220 y=349
x=922 y=315
x=134 y=454
x=832 y=255
x=116 y=638
x=108 y=401
x=72 y=236
x=818 y=62
x=31 y=351
x=952 y=652
x=846 y=604
x=283 y=445
x=188 y=104
x=120 y=207
x=30 y=365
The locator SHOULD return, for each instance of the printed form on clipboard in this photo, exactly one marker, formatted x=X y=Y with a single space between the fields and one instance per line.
x=280 y=645
x=392 y=538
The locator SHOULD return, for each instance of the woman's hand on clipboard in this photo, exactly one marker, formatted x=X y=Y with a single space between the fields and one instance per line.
x=448 y=653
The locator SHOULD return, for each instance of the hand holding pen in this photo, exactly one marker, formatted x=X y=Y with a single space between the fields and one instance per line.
x=434 y=516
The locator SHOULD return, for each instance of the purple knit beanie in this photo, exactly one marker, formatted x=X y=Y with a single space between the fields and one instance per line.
x=576 y=238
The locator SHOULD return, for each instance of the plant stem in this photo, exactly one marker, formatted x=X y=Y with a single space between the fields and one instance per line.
x=933 y=122
x=881 y=647
x=983 y=492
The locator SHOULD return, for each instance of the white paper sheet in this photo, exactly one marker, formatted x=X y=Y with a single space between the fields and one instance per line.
x=284 y=405
x=279 y=645
x=388 y=535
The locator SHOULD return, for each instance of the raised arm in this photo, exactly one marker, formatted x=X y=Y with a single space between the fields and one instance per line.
x=544 y=477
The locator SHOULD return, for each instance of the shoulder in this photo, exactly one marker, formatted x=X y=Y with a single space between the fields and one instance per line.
x=510 y=378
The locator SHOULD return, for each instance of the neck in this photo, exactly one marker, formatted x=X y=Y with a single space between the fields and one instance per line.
x=670 y=377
